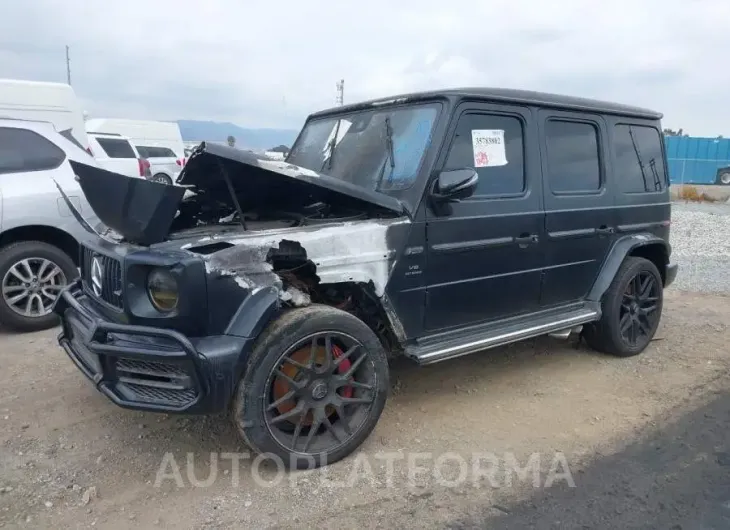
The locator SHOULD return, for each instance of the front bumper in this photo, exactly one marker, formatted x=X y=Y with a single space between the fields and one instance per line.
x=672 y=270
x=148 y=368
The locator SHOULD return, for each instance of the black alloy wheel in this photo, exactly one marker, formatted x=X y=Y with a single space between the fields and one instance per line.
x=631 y=310
x=639 y=314
x=313 y=389
x=320 y=393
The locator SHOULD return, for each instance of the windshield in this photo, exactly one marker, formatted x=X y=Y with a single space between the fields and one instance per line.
x=378 y=149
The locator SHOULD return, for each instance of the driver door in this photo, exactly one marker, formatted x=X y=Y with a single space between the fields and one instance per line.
x=485 y=256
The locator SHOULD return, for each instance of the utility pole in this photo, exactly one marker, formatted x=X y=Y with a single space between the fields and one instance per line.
x=68 y=66
x=341 y=92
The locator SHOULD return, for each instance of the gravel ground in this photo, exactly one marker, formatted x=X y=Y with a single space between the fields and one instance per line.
x=673 y=477
x=700 y=238
x=71 y=459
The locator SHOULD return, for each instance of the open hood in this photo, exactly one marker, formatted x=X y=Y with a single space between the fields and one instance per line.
x=140 y=210
x=275 y=184
x=143 y=211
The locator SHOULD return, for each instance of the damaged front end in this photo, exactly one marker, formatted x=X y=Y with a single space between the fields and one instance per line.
x=235 y=210
x=224 y=186
x=236 y=240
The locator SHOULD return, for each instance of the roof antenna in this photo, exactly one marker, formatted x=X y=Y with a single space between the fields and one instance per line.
x=227 y=178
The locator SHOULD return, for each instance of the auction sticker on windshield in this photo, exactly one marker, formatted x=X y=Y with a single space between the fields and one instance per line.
x=488 y=145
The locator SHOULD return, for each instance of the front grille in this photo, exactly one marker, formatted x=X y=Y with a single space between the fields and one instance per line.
x=166 y=396
x=155 y=382
x=111 y=277
x=150 y=368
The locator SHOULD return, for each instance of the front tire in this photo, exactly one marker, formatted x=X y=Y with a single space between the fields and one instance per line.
x=314 y=388
x=724 y=178
x=631 y=310
x=32 y=274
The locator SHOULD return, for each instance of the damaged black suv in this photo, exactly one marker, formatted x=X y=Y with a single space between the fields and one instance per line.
x=432 y=225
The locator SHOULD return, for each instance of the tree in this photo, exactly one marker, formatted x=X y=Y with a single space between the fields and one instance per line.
x=671 y=132
x=231 y=141
x=280 y=149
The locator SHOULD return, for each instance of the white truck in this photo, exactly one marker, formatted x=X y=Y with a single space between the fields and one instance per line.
x=55 y=103
x=158 y=142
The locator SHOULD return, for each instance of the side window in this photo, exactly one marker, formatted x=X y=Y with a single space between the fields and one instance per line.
x=637 y=151
x=115 y=148
x=24 y=150
x=492 y=144
x=143 y=151
x=160 y=152
x=573 y=159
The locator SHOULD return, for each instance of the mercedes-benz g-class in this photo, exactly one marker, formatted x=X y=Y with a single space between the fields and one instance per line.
x=430 y=225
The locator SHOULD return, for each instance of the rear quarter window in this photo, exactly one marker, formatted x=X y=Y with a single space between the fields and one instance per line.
x=639 y=159
x=22 y=150
x=116 y=148
x=68 y=134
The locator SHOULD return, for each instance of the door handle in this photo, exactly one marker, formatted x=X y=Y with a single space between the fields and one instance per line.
x=526 y=239
x=605 y=230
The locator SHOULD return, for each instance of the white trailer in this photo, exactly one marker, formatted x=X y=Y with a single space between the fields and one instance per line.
x=55 y=103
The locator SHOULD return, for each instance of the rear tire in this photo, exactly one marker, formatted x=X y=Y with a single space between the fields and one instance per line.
x=724 y=178
x=162 y=179
x=631 y=310
x=36 y=253
x=334 y=371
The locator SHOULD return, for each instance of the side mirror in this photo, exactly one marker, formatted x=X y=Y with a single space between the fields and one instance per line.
x=454 y=185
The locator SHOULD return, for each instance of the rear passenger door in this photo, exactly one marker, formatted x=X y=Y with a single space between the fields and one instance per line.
x=29 y=165
x=580 y=220
x=484 y=258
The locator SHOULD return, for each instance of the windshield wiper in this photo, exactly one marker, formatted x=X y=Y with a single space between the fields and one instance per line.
x=332 y=145
x=391 y=155
x=389 y=142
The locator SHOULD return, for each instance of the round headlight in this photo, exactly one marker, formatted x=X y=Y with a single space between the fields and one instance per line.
x=162 y=288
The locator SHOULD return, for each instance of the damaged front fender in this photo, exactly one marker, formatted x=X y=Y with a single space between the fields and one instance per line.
x=254 y=313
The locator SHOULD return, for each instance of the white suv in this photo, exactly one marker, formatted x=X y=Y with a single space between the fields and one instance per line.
x=116 y=153
x=165 y=165
x=38 y=233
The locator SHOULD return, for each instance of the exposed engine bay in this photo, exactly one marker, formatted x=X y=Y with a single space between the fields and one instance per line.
x=198 y=217
x=224 y=187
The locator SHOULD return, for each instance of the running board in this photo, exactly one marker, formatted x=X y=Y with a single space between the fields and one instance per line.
x=499 y=336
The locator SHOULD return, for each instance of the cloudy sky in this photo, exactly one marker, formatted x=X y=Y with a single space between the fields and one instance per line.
x=268 y=64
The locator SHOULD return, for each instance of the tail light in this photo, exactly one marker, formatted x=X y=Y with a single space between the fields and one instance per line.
x=144 y=167
x=179 y=162
x=88 y=150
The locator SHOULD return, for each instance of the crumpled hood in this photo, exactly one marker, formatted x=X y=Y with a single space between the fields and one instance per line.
x=140 y=210
x=277 y=184
x=143 y=211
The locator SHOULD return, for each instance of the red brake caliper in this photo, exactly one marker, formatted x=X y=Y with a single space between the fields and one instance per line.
x=343 y=368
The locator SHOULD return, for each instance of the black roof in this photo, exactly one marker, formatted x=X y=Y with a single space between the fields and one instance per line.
x=507 y=95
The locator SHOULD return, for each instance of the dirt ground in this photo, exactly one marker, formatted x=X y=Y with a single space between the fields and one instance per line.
x=70 y=459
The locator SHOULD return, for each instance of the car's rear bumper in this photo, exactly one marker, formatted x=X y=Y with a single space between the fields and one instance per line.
x=148 y=368
x=672 y=270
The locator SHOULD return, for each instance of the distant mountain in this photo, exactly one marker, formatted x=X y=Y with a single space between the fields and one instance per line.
x=211 y=131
